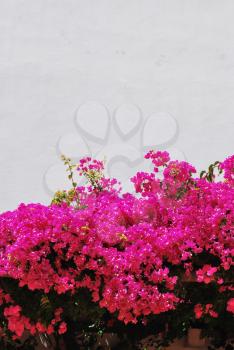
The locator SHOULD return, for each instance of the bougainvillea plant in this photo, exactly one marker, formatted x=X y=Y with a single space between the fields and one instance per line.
x=156 y=261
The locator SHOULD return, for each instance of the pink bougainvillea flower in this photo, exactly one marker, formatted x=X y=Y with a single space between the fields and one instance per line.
x=228 y=167
x=206 y=274
x=198 y=310
x=158 y=158
x=230 y=305
x=62 y=328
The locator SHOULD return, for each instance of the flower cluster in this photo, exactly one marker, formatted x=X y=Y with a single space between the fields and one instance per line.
x=158 y=158
x=228 y=167
x=18 y=323
x=88 y=164
x=207 y=309
x=131 y=252
x=206 y=274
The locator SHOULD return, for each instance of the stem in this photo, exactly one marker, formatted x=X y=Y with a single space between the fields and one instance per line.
x=70 y=166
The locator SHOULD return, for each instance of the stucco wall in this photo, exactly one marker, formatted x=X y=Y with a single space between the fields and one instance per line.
x=132 y=59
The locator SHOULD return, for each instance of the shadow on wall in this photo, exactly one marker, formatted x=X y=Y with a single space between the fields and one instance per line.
x=121 y=138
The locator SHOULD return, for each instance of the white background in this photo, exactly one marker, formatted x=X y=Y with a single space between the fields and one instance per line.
x=172 y=56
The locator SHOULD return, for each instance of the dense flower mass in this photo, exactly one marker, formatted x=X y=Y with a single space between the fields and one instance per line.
x=131 y=252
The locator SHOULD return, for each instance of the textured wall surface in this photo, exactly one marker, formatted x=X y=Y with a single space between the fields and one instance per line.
x=111 y=77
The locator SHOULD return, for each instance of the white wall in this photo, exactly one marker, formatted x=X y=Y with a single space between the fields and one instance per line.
x=170 y=57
